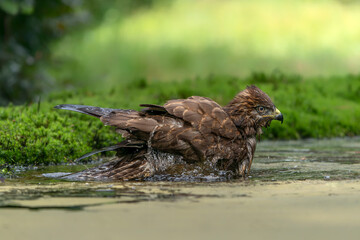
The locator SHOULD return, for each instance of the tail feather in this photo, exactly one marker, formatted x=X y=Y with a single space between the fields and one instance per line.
x=130 y=170
x=127 y=167
x=141 y=172
x=128 y=143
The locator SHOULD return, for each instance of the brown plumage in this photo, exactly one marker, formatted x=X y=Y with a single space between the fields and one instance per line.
x=182 y=133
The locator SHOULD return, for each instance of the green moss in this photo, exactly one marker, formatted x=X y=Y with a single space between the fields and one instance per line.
x=38 y=134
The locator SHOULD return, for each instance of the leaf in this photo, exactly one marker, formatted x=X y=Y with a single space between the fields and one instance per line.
x=27 y=6
x=9 y=6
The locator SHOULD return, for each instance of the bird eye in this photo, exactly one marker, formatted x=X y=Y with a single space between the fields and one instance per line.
x=261 y=109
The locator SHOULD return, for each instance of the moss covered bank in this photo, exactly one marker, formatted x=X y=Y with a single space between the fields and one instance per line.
x=38 y=134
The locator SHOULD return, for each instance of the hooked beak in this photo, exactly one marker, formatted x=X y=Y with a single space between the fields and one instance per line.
x=278 y=116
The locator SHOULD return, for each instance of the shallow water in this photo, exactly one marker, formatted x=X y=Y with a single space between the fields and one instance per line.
x=297 y=190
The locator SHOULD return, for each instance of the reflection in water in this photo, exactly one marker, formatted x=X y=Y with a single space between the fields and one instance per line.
x=271 y=204
x=333 y=159
x=277 y=160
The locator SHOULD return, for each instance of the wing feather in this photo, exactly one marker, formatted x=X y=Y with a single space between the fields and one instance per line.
x=203 y=114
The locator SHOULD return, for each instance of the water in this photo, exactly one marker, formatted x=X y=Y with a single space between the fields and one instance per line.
x=335 y=159
x=296 y=189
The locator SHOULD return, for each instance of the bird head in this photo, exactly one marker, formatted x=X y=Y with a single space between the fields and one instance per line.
x=253 y=108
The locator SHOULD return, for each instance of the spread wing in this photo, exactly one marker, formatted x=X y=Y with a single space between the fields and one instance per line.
x=185 y=126
x=189 y=127
x=203 y=114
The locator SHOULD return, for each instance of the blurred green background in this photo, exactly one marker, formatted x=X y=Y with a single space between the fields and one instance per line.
x=52 y=45
x=189 y=38
x=121 y=53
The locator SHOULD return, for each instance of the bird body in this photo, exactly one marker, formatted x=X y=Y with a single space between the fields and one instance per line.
x=182 y=133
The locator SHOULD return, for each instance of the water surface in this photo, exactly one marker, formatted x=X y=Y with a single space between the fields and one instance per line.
x=296 y=190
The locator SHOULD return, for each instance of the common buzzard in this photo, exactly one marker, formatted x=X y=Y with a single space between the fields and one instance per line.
x=185 y=132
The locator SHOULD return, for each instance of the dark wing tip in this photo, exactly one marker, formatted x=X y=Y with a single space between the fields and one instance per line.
x=70 y=107
x=61 y=106
x=89 y=110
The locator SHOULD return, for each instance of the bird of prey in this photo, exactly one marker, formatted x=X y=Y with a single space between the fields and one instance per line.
x=184 y=132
